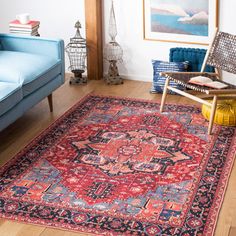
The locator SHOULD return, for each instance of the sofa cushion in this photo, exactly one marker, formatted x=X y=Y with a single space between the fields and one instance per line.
x=30 y=85
x=30 y=70
x=10 y=95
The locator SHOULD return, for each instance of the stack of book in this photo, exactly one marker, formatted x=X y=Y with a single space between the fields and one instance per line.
x=30 y=28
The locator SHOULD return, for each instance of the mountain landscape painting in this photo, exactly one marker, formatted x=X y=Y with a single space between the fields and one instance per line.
x=180 y=17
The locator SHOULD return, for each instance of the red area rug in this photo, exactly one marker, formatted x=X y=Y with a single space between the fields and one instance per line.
x=116 y=166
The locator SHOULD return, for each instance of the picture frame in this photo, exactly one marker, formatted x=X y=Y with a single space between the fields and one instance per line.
x=180 y=21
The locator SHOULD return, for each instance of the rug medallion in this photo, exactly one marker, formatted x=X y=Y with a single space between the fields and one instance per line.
x=115 y=166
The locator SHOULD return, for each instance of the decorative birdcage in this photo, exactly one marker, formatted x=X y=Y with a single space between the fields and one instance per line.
x=77 y=53
x=113 y=52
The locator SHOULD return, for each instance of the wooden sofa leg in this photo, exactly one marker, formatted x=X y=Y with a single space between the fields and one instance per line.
x=50 y=102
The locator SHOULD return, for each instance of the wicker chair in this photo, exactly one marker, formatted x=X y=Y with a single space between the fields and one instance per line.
x=221 y=55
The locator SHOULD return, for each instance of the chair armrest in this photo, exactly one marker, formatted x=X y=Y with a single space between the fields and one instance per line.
x=30 y=44
x=169 y=73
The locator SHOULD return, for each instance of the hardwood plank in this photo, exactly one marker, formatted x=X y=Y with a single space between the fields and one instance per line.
x=225 y=217
x=19 y=134
x=8 y=228
x=232 y=231
x=53 y=232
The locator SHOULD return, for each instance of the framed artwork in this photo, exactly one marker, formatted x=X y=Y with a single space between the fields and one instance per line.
x=184 y=21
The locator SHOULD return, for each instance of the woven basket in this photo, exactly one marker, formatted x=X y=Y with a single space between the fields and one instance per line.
x=225 y=112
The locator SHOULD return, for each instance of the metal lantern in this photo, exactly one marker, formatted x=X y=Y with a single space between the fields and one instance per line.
x=77 y=53
x=113 y=52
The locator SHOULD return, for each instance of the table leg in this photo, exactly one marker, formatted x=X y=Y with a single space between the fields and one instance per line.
x=212 y=116
x=163 y=99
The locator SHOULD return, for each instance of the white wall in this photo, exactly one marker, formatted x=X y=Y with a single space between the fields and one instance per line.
x=227 y=24
x=57 y=17
x=138 y=52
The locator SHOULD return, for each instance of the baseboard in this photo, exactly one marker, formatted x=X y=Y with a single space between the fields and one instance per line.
x=137 y=78
x=128 y=77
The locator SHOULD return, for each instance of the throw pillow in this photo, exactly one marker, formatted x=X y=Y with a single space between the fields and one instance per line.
x=162 y=66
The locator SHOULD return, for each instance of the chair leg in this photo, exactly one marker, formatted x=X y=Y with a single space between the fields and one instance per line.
x=212 y=116
x=50 y=102
x=163 y=99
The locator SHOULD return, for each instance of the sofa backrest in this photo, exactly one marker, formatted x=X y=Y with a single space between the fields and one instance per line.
x=195 y=56
x=36 y=45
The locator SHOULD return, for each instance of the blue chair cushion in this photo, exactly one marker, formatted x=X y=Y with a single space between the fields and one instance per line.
x=195 y=57
x=162 y=66
x=31 y=70
x=10 y=95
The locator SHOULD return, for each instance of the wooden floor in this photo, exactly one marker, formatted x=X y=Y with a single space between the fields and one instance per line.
x=19 y=134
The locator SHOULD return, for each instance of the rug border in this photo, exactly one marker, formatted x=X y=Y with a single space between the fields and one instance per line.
x=223 y=184
x=210 y=225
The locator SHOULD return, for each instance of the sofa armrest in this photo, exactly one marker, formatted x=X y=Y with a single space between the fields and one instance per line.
x=32 y=44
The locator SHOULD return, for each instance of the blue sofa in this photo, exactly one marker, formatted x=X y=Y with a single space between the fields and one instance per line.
x=31 y=68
